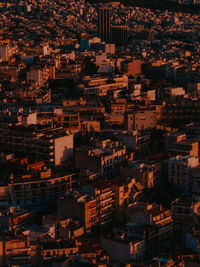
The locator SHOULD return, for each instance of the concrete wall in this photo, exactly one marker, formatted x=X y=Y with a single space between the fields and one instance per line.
x=35 y=75
x=117 y=251
x=83 y=161
x=129 y=140
x=63 y=149
x=145 y=119
x=139 y=217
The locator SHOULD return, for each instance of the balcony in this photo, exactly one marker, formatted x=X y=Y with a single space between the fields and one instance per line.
x=21 y=257
x=93 y=216
x=106 y=207
x=109 y=199
x=15 y=250
x=106 y=222
x=106 y=214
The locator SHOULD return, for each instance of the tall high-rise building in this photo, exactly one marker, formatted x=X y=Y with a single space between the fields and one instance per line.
x=105 y=24
x=119 y=34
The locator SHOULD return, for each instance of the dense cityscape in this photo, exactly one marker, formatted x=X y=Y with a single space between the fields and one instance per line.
x=99 y=134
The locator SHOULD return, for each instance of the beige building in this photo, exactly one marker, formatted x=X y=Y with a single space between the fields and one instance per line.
x=140 y=120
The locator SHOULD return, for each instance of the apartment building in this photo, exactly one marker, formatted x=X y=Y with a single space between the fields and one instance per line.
x=81 y=206
x=118 y=106
x=58 y=249
x=192 y=240
x=38 y=75
x=182 y=213
x=172 y=138
x=179 y=144
x=91 y=208
x=21 y=218
x=192 y=130
x=100 y=86
x=38 y=190
x=185 y=147
x=103 y=193
x=88 y=126
x=92 y=252
x=132 y=67
x=35 y=75
x=145 y=172
x=117 y=109
x=179 y=172
x=126 y=191
x=140 y=120
x=154 y=215
x=17 y=116
x=195 y=187
x=113 y=120
x=185 y=111
x=134 y=140
x=104 y=157
x=122 y=247
x=68 y=119
x=5 y=51
x=63 y=227
x=18 y=250
x=54 y=146
x=91 y=110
